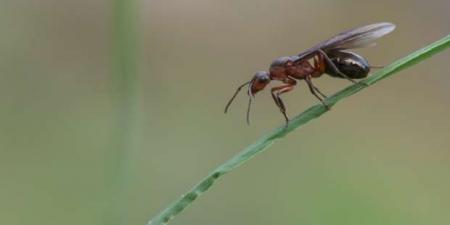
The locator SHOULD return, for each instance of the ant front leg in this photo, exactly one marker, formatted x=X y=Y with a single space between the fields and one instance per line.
x=333 y=67
x=313 y=90
x=277 y=91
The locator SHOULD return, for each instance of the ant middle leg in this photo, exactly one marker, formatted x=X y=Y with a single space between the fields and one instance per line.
x=318 y=91
x=313 y=90
x=319 y=69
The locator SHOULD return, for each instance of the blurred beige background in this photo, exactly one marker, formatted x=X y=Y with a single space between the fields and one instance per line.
x=380 y=157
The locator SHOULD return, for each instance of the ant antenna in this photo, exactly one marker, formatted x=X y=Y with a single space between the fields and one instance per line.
x=248 y=109
x=234 y=96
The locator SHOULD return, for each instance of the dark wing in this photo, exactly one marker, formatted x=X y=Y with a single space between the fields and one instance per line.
x=353 y=38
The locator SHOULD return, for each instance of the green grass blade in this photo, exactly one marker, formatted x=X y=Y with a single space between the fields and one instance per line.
x=313 y=112
x=125 y=110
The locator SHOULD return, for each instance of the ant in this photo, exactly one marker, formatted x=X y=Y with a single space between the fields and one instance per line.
x=328 y=57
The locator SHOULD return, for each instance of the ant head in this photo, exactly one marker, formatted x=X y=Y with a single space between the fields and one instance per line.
x=259 y=82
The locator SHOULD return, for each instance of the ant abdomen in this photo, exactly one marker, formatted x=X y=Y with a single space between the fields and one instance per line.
x=349 y=63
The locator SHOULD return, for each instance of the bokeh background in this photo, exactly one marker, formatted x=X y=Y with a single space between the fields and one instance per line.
x=110 y=110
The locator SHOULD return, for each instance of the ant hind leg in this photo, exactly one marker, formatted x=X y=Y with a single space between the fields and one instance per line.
x=376 y=67
x=333 y=67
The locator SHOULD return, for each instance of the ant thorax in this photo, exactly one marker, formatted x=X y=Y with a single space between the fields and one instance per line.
x=290 y=66
x=283 y=60
x=280 y=61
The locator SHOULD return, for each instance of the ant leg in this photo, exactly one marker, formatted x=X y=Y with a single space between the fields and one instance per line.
x=333 y=67
x=277 y=102
x=318 y=69
x=318 y=91
x=281 y=106
x=277 y=91
x=313 y=90
x=319 y=66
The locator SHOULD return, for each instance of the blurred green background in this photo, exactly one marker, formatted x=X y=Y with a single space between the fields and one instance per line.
x=112 y=109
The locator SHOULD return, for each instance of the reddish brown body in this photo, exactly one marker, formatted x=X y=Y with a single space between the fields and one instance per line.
x=297 y=69
x=287 y=69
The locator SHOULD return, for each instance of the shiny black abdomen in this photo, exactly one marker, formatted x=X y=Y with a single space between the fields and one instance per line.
x=349 y=63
